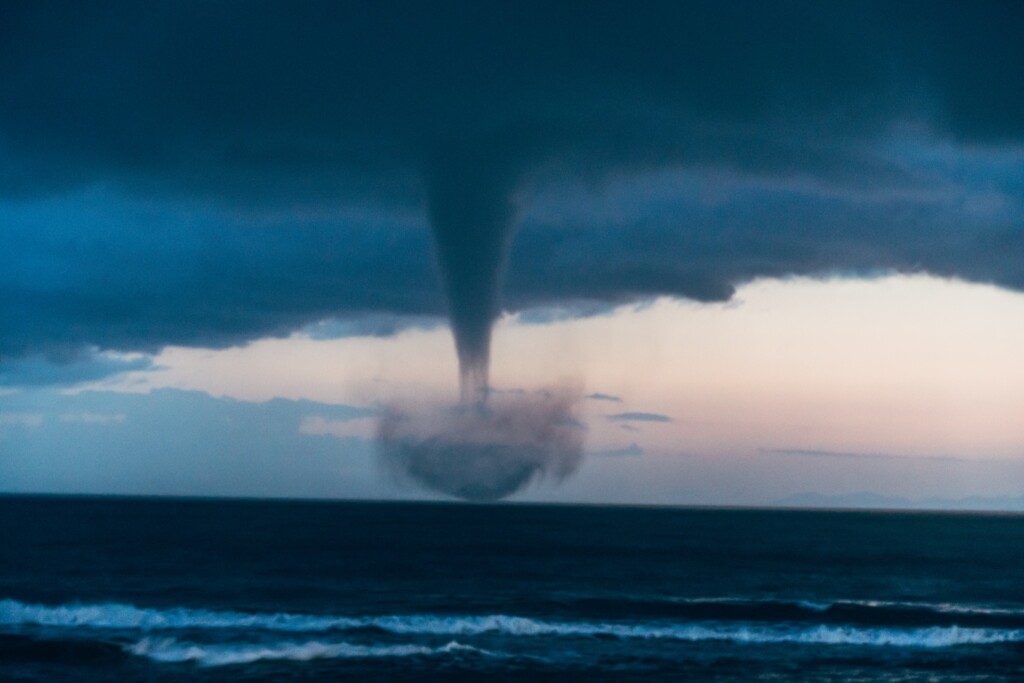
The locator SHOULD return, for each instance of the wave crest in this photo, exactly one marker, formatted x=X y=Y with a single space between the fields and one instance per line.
x=128 y=617
x=170 y=650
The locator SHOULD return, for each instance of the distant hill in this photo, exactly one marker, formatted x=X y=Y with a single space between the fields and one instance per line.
x=870 y=500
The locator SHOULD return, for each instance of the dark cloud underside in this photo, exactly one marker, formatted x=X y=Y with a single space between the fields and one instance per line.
x=210 y=172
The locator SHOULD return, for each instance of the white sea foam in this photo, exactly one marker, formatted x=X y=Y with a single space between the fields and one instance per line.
x=824 y=606
x=121 y=616
x=940 y=607
x=128 y=617
x=174 y=651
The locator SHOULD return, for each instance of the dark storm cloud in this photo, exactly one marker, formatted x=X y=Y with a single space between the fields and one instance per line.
x=369 y=325
x=85 y=367
x=564 y=310
x=210 y=172
x=95 y=270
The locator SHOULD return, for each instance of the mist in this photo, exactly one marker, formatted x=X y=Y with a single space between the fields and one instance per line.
x=484 y=450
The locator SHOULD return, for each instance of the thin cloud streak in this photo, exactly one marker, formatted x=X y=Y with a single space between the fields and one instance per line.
x=604 y=397
x=817 y=453
x=639 y=417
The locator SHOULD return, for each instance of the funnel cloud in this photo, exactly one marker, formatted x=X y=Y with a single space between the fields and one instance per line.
x=486 y=450
x=472 y=219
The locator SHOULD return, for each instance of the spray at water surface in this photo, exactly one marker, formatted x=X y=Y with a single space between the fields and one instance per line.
x=484 y=450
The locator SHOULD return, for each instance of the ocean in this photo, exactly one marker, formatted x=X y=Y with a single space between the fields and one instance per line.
x=121 y=589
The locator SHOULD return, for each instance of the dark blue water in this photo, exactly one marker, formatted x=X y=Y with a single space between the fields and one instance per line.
x=177 y=590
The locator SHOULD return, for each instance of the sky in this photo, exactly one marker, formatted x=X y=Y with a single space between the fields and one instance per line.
x=767 y=254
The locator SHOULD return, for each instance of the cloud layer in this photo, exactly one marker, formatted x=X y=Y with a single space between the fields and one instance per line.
x=207 y=173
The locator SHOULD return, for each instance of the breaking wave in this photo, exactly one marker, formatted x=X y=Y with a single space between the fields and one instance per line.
x=173 y=651
x=130 y=618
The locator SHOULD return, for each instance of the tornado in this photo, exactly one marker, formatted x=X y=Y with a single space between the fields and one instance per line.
x=472 y=217
x=487 y=446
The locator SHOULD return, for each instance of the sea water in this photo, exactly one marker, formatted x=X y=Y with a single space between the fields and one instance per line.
x=101 y=589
